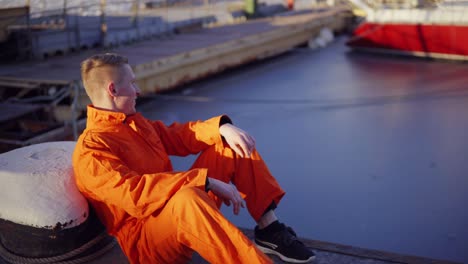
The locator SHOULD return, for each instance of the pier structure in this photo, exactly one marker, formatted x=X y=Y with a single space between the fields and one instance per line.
x=44 y=100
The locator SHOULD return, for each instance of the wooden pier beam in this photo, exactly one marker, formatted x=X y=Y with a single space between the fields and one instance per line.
x=163 y=74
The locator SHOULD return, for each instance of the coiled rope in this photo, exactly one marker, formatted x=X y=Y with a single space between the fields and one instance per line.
x=67 y=258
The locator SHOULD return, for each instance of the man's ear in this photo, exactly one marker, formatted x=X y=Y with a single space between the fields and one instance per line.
x=111 y=90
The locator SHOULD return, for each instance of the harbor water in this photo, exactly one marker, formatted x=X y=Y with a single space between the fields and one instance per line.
x=371 y=150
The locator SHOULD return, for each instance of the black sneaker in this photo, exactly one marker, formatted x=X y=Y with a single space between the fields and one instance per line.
x=280 y=240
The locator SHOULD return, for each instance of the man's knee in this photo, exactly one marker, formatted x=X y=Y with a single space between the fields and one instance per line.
x=190 y=197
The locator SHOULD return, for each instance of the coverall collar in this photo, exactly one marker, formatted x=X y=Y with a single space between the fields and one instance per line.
x=100 y=117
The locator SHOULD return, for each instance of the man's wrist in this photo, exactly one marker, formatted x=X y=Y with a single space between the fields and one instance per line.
x=224 y=120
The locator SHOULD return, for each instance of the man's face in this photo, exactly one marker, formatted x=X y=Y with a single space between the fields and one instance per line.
x=126 y=91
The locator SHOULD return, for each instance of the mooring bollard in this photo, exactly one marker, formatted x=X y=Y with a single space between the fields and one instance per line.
x=43 y=216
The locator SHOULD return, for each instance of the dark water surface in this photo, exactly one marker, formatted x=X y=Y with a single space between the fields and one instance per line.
x=372 y=150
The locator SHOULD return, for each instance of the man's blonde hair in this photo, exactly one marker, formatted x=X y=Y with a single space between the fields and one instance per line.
x=91 y=81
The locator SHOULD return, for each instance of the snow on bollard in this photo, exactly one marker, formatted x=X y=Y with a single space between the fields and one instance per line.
x=320 y=42
x=312 y=44
x=37 y=187
x=324 y=37
x=42 y=213
x=327 y=35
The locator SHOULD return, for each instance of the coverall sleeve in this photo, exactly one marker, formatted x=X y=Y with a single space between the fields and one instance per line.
x=182 y=139
x=102 y=176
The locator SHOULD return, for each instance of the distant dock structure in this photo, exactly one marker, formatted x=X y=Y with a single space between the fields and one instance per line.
x=30 y=34
x=43 y=98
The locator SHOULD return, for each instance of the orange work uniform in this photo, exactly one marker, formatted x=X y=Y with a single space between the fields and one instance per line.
x=122 y=167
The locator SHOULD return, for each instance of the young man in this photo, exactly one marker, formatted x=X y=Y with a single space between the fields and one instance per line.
x=122 y=167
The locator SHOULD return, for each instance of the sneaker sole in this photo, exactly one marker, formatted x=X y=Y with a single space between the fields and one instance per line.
x=282 y=257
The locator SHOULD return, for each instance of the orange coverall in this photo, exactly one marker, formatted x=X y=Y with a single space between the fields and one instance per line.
x=122 y=167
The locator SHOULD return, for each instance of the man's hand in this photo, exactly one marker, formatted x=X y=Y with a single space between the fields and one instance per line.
x=239 y=140
x=228 y=193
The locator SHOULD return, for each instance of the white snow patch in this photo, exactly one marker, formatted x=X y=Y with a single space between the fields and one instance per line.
x=37 y=186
